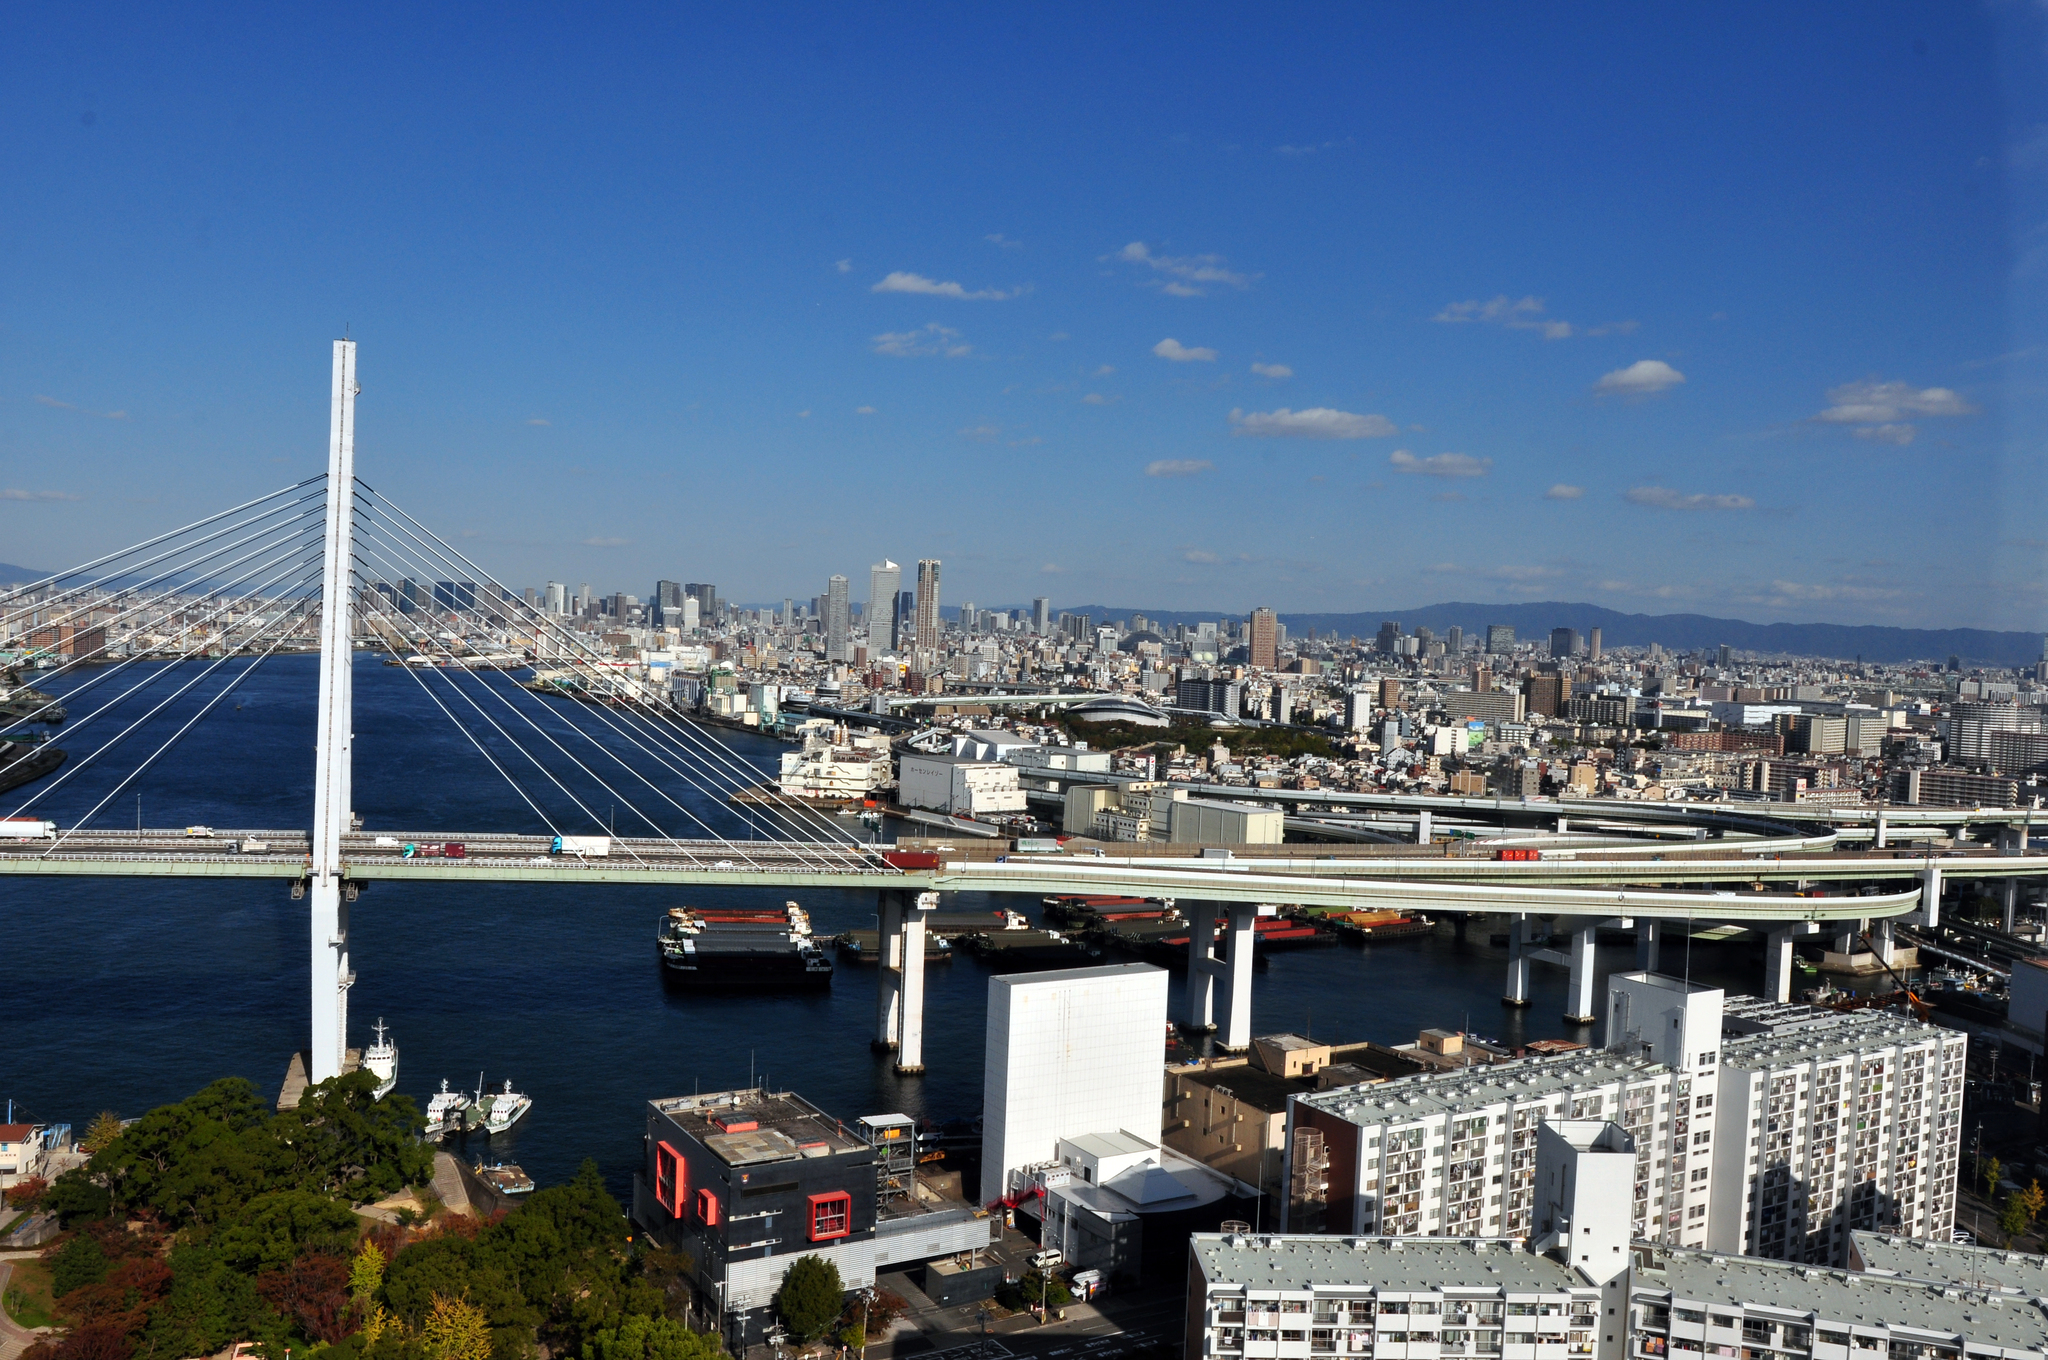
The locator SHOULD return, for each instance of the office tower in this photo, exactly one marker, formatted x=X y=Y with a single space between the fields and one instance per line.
x=584 y=600
x=1068 y=1054
x=1390 y=633
x=1724 y=657
x=527 y=595
x=557 y=597
x=1264 y=648
x=788 y=613
x=1593 y=645
x=1358 y=707
x=1856 y=1125
x=1209 y=696
x=1422 y=1152
x=1482 y=680
x=1544 y=693
x=619 y=609
x=929 y=627
x=1500 y=640
x=1564 y=643
x=883 y=579
x=706 y=596
x=838 y=644
x=667 y=603
x=1041 y=616
x=968 y=622
x=1454 y=640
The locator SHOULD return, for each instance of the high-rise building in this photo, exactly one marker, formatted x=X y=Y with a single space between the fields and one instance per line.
x=1265 y=648
x=557 y=598
x=1593 y=645
x=1564 y=643
x=706 y=596
x=1390 y=633
x=884 y=578
x=930 y=629
x=668 y=602
x=1041 y=616
x=838 y=645
x=788 y=612
x=1544 y=693
x=1454 y=640
x=1210 y=696
x=1724 y=657
x=1500 y=640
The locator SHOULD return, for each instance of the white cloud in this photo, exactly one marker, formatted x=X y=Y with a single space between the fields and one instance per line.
x=1202 y=555
x=538 y=420
x=1664 y=498
x=1644 y=377
x=932 y=339
x=996 y=238
x=1564 y=491
x=1860 y=403
x=15 y=493
x=1104 y=371
x=1307 y=148
x=1439 y=464
x=902 y=281
x=1891 y=432
x=1183 y=275
x=845 y=266
x=803 y=415
x=1173 y=349
x=1799 y=590
x=1273 y=370
x=1177 y=467
x=1052 y=568
x=983 y=434
x=1525 y=314
x=1316 y=422
x=865 y=411
x=1097 y=399
x=68 y=406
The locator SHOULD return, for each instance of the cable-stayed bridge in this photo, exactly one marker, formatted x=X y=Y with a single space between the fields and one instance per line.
x=333 y=570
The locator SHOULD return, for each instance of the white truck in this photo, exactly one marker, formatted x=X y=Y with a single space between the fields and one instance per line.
x=593 y=847
x=24 y=829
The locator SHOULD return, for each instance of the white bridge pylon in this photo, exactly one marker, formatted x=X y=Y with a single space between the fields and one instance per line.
x=332 y=815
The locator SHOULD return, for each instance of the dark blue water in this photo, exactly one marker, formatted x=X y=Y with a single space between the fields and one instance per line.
x=125 y=993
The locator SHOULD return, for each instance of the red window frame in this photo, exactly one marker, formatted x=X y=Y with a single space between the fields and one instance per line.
x=670 y=1175
x=830 y=1215
x=707 y=1206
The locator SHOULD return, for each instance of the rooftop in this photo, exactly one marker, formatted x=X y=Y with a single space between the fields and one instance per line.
x=1978 y=1267
x=1433 y=1093
x=1271 y=1261
x=1268 y=1092
x=1842 y=1296
x=1836 y=1035
x=747 y=1128
x=1055 y=976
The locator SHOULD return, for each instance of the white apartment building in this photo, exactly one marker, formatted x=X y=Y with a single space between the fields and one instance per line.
x=1833 y=1123
x=1453 y=1154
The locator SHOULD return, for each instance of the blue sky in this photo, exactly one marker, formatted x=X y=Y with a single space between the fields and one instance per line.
x=1730 y=309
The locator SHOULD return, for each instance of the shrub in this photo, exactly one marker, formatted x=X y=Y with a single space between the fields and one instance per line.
x=811 y=1297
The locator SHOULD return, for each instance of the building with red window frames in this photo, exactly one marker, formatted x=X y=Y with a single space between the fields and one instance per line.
x=749 y=1181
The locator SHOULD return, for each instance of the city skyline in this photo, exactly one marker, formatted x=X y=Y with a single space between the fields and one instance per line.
x=1693 y=324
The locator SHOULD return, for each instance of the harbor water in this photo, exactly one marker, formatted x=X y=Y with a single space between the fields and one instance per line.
x=129 y=992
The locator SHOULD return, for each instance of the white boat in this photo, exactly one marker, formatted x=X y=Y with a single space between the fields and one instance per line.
x=496 y=1112
x=445 y=1111
x=381 y=1061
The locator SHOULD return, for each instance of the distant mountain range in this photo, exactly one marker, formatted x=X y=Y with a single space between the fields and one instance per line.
x=11 y=575
x=1675 y=632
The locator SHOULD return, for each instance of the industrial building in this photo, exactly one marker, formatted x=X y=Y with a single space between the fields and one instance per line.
x=748 y=1181
x=959 y=785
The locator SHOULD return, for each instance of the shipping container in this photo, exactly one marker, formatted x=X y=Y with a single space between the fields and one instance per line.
x=912 y=859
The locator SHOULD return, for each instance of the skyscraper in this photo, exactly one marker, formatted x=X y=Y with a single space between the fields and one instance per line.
x=1593 y=645
x=883 y=579
x=1041 y=617
x=557 y=598
x=928 y=629
x=1454 y=640
x=1264 y=647
x=1390 y=633
x=668 y=602
x=837 y=647
x=1500 y=640
x=1564 y=643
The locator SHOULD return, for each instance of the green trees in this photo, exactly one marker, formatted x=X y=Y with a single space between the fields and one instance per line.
x=810 y=1298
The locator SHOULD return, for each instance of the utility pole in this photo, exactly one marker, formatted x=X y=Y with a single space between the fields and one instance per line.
x=332 y=800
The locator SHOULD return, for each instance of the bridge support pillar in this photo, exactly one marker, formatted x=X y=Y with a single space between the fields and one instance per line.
x=1649 y=945
x=889 y=976
x=1930 y=894
x=333 y=745
x=1517 y=993
x=1881 y=941
x=1845 y=941
x=2010 y=910
x=899 y=982
x=1882 y=828
x=1237 y=987
x=1579 y=1004
x=331 y=979
x=1778 y=958
x=1564 y=824
x=1202 y=967
x=1422 y=833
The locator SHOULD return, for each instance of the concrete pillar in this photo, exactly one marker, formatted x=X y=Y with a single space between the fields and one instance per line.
x=1237 y=984
x=1201 y=1014
x=1778 y=965
x=1649 y=945
x=1930 y=894
x=1578 y=1007
x=910 y=1014
x=1845 y=941
x=1881 y=940
x=1517 y=993
x=1563 y=824
x=889 y=975
x=1422 y=836
x=1881 y=829
x=331 y=979
x=2012 y=904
